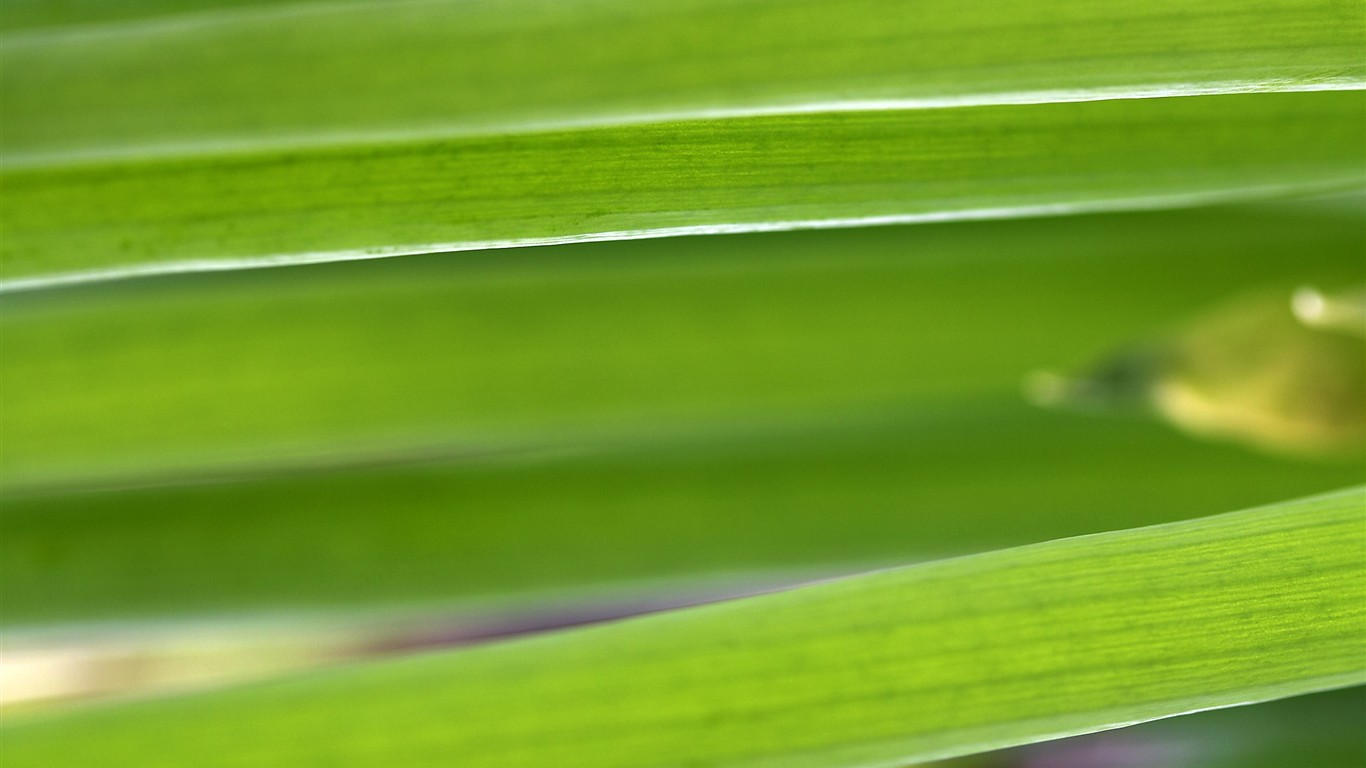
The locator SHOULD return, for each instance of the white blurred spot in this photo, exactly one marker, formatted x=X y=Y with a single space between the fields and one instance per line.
x=1045 y=388
x=1309 y=305
x=41 y=673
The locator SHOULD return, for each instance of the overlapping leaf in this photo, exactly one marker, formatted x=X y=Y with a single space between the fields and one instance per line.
x=529 y=424
x=304 y=132
x=905 y=665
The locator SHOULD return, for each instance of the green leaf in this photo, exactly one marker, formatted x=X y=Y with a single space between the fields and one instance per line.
x=677 y=178
x=567 y=347
x=636 y=521
x=327 y=131
x=1320 y=729
x=305 y=72
x=609 y=417
x=905 y=665
x=84 y=14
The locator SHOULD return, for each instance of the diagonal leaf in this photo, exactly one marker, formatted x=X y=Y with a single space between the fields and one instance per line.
x=739 y=174
x=907 y=665
x=1320 y=729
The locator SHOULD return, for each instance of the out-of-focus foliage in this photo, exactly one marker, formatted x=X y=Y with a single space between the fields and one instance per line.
x=522 y=437
x=1252 y=371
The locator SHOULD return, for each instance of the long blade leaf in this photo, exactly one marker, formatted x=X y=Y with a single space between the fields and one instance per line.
x=383 y=433
x=318 y=131
x=565 y=347
x=906 y=665
x=326 y=71
x=702 y=176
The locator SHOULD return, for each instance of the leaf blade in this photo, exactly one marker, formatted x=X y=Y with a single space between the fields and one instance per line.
x=274 y=69
x=177 y=377
x=742 y=174
x=911 y=664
